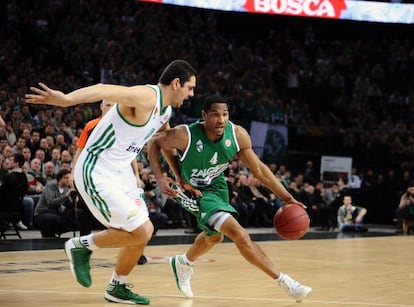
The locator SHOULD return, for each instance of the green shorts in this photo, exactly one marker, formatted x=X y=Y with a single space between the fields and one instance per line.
x=210 y=203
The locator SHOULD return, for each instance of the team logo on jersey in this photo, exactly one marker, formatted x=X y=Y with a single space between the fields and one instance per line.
x=199 y=146
x=227 y=142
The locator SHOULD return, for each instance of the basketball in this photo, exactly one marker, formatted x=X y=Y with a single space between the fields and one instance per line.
x=291 y=222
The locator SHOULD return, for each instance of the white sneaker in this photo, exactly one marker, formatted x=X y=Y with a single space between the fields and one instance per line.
x=293 y=288
x=21 y=226
x=182 y=273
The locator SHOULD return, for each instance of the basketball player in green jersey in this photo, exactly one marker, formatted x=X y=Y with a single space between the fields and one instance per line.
x=103 y=173
x=203 y=151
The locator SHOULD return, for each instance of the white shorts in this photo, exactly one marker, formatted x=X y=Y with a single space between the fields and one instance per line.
x=111 y=195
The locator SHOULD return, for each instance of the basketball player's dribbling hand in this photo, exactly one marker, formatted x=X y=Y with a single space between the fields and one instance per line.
x=295 y=202
x=165 y=187
x=46 y=95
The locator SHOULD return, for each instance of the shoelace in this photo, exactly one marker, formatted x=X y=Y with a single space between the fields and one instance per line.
x=294 y=289
x=186 y=272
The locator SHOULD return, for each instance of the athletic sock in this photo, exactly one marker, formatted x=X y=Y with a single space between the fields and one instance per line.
x=88 y=242
x=187 y=261
x=118 y=279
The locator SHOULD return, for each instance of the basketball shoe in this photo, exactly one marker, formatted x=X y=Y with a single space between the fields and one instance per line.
x=121 y=294
x=79 y=257
x=293 y=288
x=182 y=273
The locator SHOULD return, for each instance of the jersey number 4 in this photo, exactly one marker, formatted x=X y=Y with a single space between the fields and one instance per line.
x=214 y=159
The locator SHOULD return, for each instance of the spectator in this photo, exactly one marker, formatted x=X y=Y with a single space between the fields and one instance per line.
x=350 y=217
x=27 y=154
x=13 y=189
x=309 y=174
x=155 y=204
x=49 y=172
x=43 y=145
x=240 y=201
x=56 y=159
x=405 y=208
x=34 y=141
x=32 y=196
x=55 y=212
x=36 y=171
x=19 y=145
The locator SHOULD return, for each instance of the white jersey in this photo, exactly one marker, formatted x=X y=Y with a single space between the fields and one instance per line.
x=117 y=142
x=103 y=171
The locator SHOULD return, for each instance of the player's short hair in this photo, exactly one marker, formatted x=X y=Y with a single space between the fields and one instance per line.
x=216 y=98
x=180 y=69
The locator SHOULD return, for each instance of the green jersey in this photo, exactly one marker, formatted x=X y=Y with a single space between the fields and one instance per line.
x=203 y=162
x=202 y=165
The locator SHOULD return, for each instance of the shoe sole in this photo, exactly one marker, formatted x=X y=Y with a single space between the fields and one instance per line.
x=114 y=299
x=69 y=256
x=174 y=270
x=71 y=266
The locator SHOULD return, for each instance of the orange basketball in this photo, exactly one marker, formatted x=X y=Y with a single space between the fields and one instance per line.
x=291 y=222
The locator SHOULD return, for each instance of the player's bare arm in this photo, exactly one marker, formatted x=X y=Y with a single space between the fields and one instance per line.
x=167 y=141
x=138 y=96
x=259 y=169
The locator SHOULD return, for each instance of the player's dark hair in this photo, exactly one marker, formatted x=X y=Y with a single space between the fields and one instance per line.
x=216 y=98
x=177 y=69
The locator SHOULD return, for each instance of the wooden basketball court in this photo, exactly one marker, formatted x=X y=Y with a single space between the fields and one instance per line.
x=376 y=271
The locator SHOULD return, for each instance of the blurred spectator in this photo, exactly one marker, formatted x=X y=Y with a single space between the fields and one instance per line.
x=56 y=212
x=155 y=204
x=309 y=174
x=26 y=154
x=405 y=208
x=55 y=159
x=19 y=145
x=49 y=171
x=354 y=181
x=260 y=216
x=34 y=141
x=350 y=217
x=240 y=201
x=13 y=189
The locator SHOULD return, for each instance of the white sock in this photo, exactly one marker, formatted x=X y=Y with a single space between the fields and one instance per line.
x=187 y=261
x=281 y=275
x=88 y=242
x=118 y=279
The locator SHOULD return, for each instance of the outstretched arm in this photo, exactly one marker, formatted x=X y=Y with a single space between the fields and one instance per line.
x=260 y=170
x=135 y=96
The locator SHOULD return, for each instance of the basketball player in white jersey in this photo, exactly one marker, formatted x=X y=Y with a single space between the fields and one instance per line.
x=103 y=172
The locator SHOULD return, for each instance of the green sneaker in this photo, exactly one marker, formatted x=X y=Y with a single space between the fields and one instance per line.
x=120 y=294
x=79 y=256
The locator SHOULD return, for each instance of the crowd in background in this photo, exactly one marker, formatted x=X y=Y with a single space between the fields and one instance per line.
x=349 y=95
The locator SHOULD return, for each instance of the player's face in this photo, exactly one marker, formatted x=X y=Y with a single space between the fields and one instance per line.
x=215 y=120
x=184 y=92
